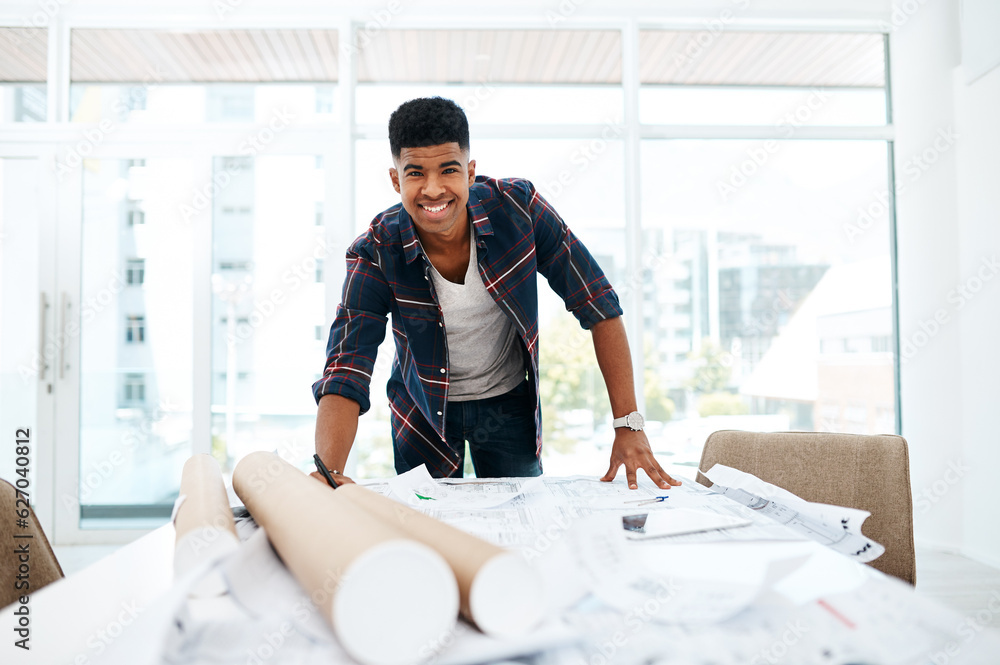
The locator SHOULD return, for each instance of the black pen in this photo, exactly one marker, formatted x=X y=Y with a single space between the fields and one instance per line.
x=326 y=472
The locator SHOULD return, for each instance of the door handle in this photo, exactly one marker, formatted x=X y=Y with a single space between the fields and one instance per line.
x=63 y=337
x=43 y=316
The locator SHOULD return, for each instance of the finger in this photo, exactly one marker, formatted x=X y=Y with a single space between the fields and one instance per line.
x=341 y=479
x=661 y=477
x=612 y=472
x=630 y=477
x=658 y=475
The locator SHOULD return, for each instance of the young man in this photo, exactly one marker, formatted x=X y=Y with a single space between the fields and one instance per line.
x=456 y=265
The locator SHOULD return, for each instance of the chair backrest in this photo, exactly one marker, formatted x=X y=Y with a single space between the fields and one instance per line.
x=43 y=566
x=867 y=472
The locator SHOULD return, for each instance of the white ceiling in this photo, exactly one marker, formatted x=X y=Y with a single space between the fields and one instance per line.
x=730 y=57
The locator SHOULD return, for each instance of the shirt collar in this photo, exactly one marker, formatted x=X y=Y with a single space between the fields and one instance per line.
x=481 y=226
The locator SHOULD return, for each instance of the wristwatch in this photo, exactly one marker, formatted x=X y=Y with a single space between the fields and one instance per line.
x=634 y=421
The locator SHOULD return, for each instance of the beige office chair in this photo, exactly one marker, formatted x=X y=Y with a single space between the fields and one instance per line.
x=43 y=567
x=867 y=472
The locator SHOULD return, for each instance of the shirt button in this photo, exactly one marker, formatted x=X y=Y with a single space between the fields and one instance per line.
x=443 y=370
x=440 y=414
x=440 y=325
x=427 y=278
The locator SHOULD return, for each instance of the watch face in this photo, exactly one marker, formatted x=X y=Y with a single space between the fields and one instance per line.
x=635 y=420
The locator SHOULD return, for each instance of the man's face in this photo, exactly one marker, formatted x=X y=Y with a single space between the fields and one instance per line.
x=433 y=183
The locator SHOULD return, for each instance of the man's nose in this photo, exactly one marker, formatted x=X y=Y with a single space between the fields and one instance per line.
x=433 y=187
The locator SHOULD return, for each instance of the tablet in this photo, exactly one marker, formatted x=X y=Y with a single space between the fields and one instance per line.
x=677 y=521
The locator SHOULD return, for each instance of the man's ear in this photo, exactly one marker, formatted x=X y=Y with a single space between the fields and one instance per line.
x=394 y=176
x=472 y=172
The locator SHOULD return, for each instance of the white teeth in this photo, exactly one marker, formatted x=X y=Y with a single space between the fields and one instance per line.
x=437 y=209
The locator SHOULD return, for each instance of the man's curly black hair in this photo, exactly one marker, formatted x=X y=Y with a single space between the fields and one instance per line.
x=427 y=121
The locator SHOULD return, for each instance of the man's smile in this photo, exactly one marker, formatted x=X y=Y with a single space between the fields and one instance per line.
x=437 y=210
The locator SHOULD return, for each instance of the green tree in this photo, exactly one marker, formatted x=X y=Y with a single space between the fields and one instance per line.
x=570 y=379
x=711 y=371
x=658 y=405
x=722 y=404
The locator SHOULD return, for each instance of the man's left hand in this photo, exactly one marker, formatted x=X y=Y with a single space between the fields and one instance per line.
x=632 y=449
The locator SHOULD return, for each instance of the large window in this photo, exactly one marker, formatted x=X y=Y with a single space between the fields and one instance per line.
x=267 y=298
x=135 y=404
x=734 y=185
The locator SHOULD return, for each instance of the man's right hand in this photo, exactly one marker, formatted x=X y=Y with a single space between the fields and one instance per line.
x=339 y=478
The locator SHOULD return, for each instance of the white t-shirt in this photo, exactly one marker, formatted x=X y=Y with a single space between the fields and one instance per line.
x=484 y=355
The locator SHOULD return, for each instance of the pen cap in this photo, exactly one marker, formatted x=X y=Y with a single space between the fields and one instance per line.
x=364 y=575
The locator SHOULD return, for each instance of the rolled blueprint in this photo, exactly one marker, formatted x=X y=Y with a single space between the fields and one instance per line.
x=202 y=519
x=500 y=593
x=388 y=598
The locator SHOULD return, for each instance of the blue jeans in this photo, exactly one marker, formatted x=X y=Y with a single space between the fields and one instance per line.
x=500 y=431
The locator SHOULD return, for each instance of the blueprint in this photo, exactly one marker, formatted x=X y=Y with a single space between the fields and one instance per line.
x=836 y=527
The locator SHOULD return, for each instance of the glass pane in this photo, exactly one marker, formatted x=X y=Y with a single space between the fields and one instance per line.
x=23 y=102
x=772 y=308
x=276 y=105
x=175 y=76
x=20 y=361
x=268 y=257
x=136 y=334
x=22 y=76
x=784 y=108
x=500 y=103
x=568 y=173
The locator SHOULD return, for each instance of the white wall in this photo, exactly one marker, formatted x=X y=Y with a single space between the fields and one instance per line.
x=948 y=211
x=977 y=114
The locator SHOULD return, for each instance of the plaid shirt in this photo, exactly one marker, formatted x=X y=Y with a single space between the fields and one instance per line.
x=517 y=235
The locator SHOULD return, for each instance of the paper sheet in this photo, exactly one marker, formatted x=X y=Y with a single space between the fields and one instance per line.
x=416 y=488
x=836 y=527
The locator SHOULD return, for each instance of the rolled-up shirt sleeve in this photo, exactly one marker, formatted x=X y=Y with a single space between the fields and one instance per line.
x=568 y=265
x=357 y=330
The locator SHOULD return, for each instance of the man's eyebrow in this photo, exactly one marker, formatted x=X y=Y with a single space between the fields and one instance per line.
x=442 y=165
